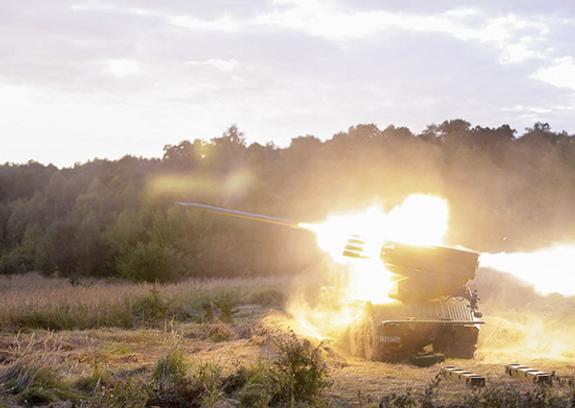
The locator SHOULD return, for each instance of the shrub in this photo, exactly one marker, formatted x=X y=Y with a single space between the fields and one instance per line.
x=221 y=306
x=209 y=377
x=257 y=386
x=494 y=395
x=99 y=377
x=399 y=400
x=296 y=375
x=171 y=370
x=501 y=395
x=35 y=380
x=267 y=297
x=151 y=307
x=226 y=303
x=124 y=394
x=299 y=370
x=216 y=306
x=150 y=262
x=174 y=389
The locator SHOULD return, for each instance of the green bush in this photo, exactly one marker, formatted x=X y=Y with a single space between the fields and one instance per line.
x=299 y=370
x=258 y=388
x=151 y=307
x=123 y=394
x=209 y=378
x=173 y=388
x=150 y=262
x=171 y=370
x=225 y=304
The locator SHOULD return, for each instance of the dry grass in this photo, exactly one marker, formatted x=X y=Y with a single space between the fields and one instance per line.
x=33 y=301
x=110 y=366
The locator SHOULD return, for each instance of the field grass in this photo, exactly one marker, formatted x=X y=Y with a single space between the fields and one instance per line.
x=123 y=345
x=34 y=302
x=210 y=343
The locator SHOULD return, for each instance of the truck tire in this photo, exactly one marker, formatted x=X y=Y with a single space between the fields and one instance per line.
x=465 y=350
x=355 y=340
x=459 y=342
x=372 y=348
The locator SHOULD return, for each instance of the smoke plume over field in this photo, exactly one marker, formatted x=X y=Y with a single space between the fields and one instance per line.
x=529 y=301
x=523 y=324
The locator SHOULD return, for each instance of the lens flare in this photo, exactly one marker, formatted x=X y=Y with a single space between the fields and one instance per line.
x=550 y=270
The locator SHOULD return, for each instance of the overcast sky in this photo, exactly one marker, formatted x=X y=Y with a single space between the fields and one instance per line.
x=104 y=78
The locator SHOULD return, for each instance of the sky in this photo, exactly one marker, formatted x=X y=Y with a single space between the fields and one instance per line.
x=103 y=78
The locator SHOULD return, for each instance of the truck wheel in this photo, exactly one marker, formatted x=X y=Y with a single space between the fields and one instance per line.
x=355 y=341
x=464 y=350
x=458 y=342
x=371 y=346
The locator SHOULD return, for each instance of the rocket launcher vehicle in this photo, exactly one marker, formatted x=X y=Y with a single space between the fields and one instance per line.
x=434 y=309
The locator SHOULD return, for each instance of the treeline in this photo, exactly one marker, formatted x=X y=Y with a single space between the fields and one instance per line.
x=117 y=218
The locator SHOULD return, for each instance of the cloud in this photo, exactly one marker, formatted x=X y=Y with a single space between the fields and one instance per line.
x=517 y=38
x=225 y=65
x=111 y=77
x=122 y=67
x=561 y=73
x=225 y=23
x=527 y=109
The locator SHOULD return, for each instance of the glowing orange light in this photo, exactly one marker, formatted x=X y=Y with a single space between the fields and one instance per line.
x=549 y=270
x=419 y=220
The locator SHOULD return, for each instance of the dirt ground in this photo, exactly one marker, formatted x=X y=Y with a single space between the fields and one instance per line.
x=355 y=382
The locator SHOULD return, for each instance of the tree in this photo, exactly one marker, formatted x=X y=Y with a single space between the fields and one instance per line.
x=103 y=217
x=150 y=262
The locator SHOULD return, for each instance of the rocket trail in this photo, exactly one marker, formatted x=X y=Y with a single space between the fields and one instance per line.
x=247 y=215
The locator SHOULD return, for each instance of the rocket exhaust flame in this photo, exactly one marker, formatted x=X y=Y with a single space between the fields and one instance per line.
x=355 y=241
x=540 y=327
x=549 y=270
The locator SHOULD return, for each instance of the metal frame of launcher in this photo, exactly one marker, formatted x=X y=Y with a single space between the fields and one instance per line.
x=435 y=311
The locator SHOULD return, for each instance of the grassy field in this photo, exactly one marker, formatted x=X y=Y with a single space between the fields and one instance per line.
x=33 y=302
x=216 y=343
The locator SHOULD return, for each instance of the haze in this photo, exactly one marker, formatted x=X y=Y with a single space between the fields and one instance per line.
x=86 y=79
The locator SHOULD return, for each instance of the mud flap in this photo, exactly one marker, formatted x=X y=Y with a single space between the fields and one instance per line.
x=457 y=342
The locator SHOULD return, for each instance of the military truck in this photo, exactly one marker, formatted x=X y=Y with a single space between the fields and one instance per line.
x=434 y=311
